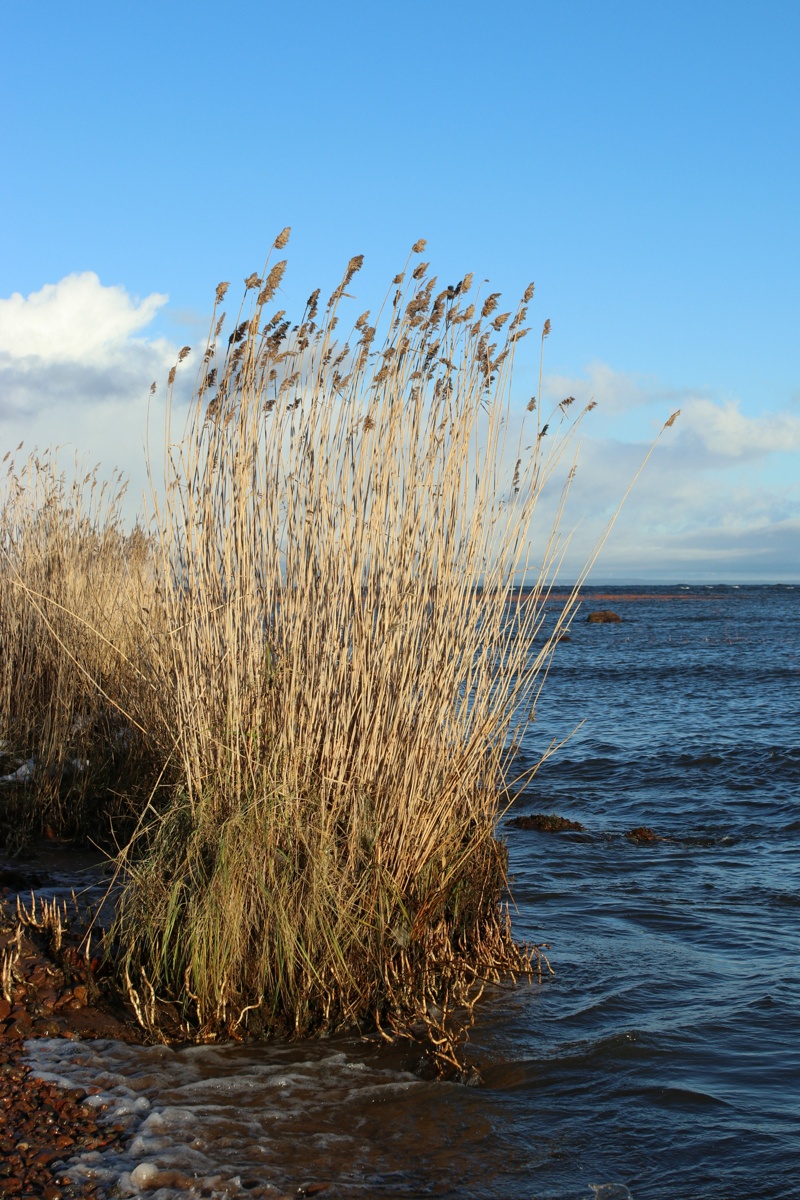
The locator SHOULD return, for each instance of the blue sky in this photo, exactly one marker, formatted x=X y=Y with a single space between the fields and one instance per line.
x=639 y=162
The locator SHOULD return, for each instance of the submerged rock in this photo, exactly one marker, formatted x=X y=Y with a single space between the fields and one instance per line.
x=603 y=616
x=545 y=823
x=643 y=833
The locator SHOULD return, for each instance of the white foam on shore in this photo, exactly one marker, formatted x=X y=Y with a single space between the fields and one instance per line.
x=224 y=1121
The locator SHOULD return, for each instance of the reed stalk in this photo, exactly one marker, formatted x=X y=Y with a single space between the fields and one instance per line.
x=339 y=551
x=303 y=674
x=75 y=592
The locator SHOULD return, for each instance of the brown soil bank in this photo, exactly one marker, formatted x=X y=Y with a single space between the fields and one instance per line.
x=53 y=984
x=55 y=980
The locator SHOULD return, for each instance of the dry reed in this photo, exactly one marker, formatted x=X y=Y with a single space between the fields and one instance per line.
x=75 y=588
x=318 y=661
x=338 y=545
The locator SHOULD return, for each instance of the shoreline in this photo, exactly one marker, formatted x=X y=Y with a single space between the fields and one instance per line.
x=49 y=989
x=43 y=1125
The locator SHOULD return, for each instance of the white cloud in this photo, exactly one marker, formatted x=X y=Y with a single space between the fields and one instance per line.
x=77 y=320
x=613 y=391
x=725 y=432
x=716 y=499
x=715 y=428
x=76 y=368
x=713 y=503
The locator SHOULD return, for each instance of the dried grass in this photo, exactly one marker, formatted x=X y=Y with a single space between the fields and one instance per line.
x=317 y=662
x=76 y=597
x=338 y=549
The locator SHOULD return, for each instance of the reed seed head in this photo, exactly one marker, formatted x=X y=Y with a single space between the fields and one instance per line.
x=238 y=333
x=490 y=304
x=283 y=238
x=350 y=580
x=272 y=282
x=312 y=304
x=355 y=264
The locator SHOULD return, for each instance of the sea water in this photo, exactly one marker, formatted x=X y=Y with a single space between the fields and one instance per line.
x=662 y=1059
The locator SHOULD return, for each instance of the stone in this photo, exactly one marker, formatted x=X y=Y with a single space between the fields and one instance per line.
x=545 y=823
x=643 y=833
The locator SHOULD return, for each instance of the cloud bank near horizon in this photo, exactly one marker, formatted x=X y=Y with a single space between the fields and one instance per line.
x=719 y=499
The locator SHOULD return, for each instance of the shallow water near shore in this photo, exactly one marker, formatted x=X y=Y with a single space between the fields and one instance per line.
x=662 y=1060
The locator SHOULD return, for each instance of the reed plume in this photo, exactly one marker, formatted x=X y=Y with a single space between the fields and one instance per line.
x=339 y=551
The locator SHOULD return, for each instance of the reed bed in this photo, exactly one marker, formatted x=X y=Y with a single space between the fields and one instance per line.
x=76 y=588
x=302 y=675
x=344 y=524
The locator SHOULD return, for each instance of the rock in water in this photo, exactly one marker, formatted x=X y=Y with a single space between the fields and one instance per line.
x=545 y=823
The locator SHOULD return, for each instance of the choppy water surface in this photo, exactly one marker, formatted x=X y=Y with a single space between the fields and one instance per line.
x=663 y=1059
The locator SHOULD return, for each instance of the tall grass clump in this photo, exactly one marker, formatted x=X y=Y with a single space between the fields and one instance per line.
x=341 y=539
x=76 y=587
